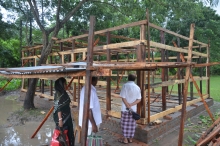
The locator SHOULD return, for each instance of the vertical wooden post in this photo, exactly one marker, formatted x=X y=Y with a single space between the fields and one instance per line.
x=51 y=87
x=208 y=71
x=200 y=69
x=166 y=69
x=153 y=72
x=188 y=71
x=88 y=81
x=117 y=73
x=179 y=74
x=108 y=79
x=73 y=56
x=61 y=49
x=74 y=92
x=148 y=73
x=141 y=56
x=51 y=81
x=191 y=89
x=42 y=86
x=163 y=72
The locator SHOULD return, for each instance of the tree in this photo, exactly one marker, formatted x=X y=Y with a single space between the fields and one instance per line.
x=108 y=13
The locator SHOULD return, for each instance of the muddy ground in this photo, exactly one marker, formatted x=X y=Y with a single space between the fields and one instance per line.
x=18 y=125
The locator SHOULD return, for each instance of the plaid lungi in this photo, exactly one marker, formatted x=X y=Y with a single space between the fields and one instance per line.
x=128 y=124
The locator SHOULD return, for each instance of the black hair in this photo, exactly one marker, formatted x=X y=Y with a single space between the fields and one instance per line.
x=59 y=85
x=94 y=79
x=131 y=77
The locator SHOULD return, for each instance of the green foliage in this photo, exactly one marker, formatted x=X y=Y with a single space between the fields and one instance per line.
x=13 y=85
x=10 y=52
x=194 y=130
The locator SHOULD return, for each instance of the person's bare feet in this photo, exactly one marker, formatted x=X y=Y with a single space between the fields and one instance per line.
x=123 y=140
x=130 y=140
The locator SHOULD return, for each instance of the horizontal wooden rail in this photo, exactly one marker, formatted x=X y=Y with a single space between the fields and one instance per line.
x=158 y=115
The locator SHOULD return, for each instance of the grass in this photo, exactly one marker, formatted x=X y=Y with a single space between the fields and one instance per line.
x=214 y=87
x=13 y=85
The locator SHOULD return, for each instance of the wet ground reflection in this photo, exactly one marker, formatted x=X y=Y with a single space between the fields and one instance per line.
x=21 y=135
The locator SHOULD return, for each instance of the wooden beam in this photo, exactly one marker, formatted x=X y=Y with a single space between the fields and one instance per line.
x=175 y=34
x=171 y=48
x=175 y=109
x=88 y=82
x=188 y=71
x=158 y=115
x=105 y=30
x=174 y=82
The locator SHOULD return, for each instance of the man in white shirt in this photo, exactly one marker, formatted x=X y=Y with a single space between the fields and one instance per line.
x=131 y=96
x=95 y=118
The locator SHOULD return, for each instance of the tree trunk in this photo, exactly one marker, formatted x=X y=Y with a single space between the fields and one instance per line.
x=29 y=98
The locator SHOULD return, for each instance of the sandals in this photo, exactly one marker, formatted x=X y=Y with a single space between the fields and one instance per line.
x=121 y=140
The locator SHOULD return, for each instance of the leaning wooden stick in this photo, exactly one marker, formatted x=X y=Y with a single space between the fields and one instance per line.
x=44 y=120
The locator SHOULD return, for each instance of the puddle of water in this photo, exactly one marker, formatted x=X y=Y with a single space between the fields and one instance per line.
x=21 y=135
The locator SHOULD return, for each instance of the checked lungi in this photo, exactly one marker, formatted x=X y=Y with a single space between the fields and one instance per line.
x=128 y=124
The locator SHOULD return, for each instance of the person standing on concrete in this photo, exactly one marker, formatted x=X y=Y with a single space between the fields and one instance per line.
x=62 y=112
x=131 y=96
x=95 y=117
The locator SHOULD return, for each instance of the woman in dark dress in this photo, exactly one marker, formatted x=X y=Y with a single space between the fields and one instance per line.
x=62 y=111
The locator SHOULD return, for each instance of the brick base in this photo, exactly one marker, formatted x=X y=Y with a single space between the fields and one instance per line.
x=147 y=134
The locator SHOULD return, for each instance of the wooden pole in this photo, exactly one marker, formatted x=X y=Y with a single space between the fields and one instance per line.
x=44 y=120
x=200 y=94
x=163 y=72
x=188 y=69
x=141 y=56
x=88 y=82
x=148 y=73
x=200 y=70
x=108 y=79
x=179 y=74
x=208 y=71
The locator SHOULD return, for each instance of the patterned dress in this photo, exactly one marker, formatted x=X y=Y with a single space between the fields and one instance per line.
x=62 y=104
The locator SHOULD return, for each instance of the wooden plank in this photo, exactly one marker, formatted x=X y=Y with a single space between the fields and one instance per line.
x=175 y=109
x=174 y=82
x=158 y=115
x=188 y=71
x=171 y=48
x=108 y=79
x=34 y=47
x=40 y=94
x=175 y=34
x=120 y=45
x=105 y=30
x=197 y=47
x=88 y=82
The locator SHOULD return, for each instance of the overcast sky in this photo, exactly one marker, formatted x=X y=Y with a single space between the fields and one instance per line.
x=217 y=8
